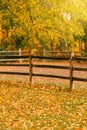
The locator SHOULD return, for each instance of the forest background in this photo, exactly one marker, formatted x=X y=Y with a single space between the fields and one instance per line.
x=43 y=24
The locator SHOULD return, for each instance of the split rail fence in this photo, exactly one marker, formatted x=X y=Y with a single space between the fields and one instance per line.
x=31 y=65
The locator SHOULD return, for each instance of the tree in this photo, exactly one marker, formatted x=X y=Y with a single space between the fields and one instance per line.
x=38 y=24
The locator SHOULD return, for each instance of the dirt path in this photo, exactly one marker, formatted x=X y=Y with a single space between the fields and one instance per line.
x=44 y=71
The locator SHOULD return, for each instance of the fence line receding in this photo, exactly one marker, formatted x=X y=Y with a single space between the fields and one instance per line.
x=31 y=65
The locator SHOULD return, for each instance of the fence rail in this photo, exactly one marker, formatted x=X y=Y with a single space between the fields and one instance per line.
x=14 y=73
x=14 y=54
x=31 y=65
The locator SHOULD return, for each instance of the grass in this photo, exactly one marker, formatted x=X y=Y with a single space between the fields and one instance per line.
x=41 y=107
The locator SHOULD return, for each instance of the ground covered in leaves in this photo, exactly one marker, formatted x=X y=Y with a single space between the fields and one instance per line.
x=41 y=107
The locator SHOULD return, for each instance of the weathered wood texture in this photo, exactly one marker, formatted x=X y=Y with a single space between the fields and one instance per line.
x=31 y=65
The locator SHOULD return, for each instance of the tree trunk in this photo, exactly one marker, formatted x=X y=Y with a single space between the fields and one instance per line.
x=86 y=47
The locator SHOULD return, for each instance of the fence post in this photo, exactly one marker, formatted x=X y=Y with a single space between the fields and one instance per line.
x=30 y=57
x=20 y=55
x=44 y=53
x=71 y=70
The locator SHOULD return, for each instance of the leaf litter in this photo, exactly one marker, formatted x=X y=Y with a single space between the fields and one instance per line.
x=41 y=107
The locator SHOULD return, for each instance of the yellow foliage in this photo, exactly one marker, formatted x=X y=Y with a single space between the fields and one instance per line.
x=46 y=20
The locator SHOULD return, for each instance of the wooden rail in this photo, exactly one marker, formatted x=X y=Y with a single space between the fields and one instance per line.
x=31 y=65
x=14 y=73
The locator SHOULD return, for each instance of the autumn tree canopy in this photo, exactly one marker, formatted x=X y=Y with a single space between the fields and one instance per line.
x=38 y=24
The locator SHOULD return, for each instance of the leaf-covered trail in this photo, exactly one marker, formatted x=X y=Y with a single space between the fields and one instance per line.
x=41 y=107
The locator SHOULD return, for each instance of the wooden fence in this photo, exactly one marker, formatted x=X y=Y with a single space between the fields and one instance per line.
x=31 y=65
x=18 y=52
